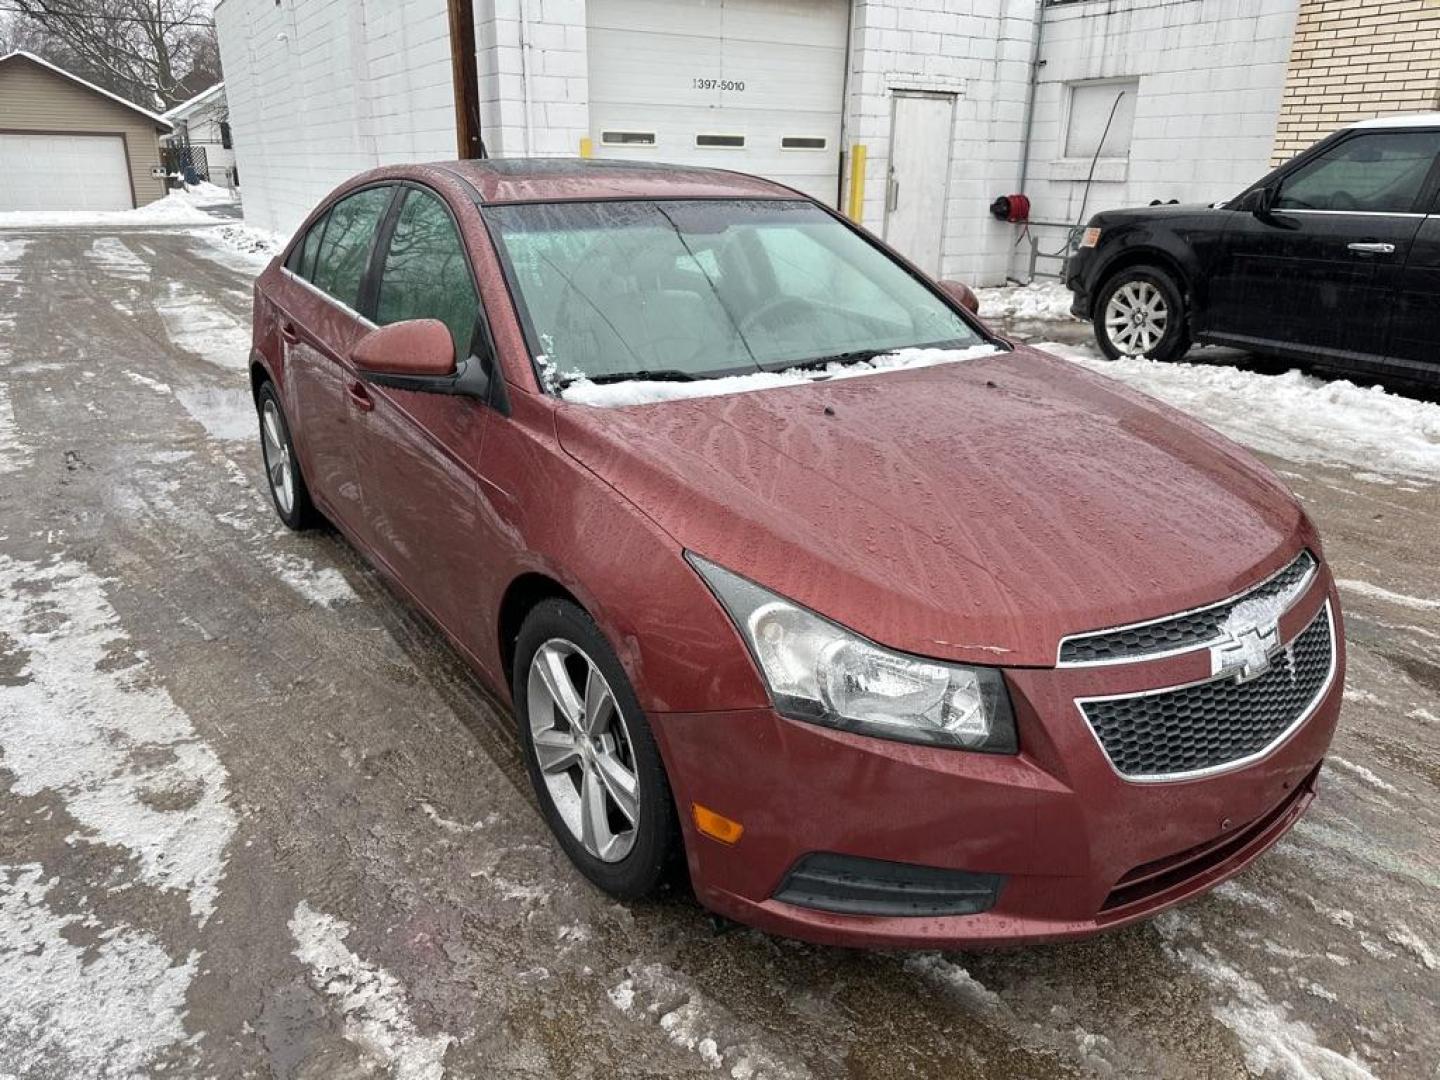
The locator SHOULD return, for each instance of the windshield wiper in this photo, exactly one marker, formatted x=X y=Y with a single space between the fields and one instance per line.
x=854 y=356
x=649 y=375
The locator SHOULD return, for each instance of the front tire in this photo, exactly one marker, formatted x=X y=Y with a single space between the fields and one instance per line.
x=590 y=754
x=282 y=468
x=1140 y=311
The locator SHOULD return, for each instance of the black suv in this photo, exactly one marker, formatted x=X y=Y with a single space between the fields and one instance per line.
x=1334 y=258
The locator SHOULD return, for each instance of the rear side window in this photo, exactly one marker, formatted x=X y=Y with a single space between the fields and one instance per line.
x=345 y=248
x=425 y=274
x=1380 y=172
x=302 y=256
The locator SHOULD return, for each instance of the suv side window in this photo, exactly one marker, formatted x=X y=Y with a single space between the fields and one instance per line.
x=344 y=251
x=426 y=275
x=1377 y=172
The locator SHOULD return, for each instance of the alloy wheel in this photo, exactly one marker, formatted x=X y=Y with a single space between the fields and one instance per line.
x=1136 y=318
x=583 y=749
x=276 y=448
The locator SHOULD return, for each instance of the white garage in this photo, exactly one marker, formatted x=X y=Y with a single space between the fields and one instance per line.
x=753 y=85
x=64 y=172
x=67 y=144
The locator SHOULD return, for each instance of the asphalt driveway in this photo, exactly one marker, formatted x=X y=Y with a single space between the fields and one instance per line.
x=256 y=818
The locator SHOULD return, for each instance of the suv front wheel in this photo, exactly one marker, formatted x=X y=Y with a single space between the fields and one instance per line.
x=1141 y=312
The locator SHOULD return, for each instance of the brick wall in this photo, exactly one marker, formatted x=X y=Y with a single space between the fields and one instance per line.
x=1354 y=59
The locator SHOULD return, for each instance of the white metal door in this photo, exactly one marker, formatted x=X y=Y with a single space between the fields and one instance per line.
x=753 y=85
x=920 y=137
x=64 y=172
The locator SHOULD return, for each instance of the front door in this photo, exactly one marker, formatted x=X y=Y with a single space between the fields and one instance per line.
x=1319 y=270
x=417 y=452
x=919 y=176
x=1415 y=329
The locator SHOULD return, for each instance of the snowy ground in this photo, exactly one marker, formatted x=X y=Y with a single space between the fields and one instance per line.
x=257 y=818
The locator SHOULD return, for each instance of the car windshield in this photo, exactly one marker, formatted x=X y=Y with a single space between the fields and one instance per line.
x=693 y=289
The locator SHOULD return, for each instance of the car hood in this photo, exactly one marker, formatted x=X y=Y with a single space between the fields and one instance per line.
x=974 y=511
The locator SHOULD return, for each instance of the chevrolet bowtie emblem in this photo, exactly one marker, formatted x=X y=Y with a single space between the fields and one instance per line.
x=1245 y=653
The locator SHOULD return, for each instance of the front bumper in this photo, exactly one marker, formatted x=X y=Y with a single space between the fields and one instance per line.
x=1080 y=848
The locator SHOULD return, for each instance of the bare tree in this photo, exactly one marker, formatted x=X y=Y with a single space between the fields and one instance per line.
x=154 y=52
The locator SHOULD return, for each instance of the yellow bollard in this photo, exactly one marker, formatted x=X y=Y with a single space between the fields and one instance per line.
x=857 y=181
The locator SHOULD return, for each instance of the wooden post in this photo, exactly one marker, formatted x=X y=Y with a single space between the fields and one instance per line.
x=465 y=75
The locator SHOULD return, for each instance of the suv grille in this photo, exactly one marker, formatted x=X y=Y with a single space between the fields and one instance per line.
x=1192 y=630
x=1164 y=734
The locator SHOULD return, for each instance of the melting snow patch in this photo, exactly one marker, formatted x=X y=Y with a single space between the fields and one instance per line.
x=1375 y=592
x=147 y=382
x=198 y=325
x=953 y=977
x=693 y=1022
x=1293 y=416
x=13 y=452
x=106 y=1010
x=642 y=392
x=372 y=1001
x=1414 y=944
x=126 y=759
x=323 y=585
x=1047 y=301
x=112 y=255
x=227 y=415
x=240 y=246
x=10 y=252
x=1363 y=773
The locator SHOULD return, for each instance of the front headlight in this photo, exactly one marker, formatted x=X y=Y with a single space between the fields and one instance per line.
x=822 y=673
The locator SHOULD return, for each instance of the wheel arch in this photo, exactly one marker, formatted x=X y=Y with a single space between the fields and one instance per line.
x=521 y=597
x=1148 y=256
x=259 y=374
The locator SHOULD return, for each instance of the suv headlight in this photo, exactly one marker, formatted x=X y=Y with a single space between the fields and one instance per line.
x=822 y=673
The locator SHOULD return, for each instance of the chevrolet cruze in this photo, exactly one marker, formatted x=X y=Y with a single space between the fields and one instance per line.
x=889 y=631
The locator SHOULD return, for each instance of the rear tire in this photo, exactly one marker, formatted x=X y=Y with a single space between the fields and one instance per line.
x=601 y=785
x=282 y=467
x=1140 y=311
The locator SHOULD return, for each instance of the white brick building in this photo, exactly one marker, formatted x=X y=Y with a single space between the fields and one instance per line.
x=938 y=93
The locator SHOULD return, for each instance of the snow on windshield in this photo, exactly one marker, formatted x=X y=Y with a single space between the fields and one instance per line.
x=644 y=392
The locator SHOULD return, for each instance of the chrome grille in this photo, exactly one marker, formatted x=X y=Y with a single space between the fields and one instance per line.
x=1219 y=723
x=1180 y=633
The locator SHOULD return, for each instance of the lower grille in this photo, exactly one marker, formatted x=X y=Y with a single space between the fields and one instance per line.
x=1167 y=734
x=850 y=885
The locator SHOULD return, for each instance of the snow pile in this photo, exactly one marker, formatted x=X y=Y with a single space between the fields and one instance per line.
x=644 y=392
x=371 y=1000
x=1294 y=416
x=177 y=208
x=242 y=246
x=1040 y=300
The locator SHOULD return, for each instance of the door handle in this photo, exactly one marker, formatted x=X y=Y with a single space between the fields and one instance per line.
x=288 y=332
x=1372 y=249
x=361 y=397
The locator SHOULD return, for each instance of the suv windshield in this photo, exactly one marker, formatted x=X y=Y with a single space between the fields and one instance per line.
x=692 y=289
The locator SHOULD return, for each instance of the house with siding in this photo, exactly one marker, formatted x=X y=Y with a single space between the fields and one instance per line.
x=66 y=144
x=202 y=134
x=910 y=115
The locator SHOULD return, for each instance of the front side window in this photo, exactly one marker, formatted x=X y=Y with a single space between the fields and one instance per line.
x=1379 y=172
x=345 y=248
x=702 y=288
x=426 y=275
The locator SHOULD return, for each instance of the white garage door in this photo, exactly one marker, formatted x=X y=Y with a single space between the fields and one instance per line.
x=753 y=85
x=64 y=172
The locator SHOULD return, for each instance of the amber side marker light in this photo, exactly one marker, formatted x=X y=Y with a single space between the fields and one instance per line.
x=716 y=826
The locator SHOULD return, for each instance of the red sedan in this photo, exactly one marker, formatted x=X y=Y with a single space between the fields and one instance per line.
x=897 y=632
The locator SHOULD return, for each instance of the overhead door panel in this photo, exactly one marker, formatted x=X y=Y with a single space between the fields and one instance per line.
x=753 y=85
x=63 y=172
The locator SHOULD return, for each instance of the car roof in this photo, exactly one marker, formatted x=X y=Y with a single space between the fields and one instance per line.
x=1402 y=120
x=508 y=180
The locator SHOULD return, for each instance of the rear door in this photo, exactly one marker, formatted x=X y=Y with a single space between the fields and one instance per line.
x=320 y=324
x=417 y=452
x=1415 y=327
x=1318 y=272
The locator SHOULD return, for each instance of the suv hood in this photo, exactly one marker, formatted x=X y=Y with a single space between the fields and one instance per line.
x=974 y=511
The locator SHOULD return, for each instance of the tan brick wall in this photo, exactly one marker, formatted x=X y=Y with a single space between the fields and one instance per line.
x=1354 y=59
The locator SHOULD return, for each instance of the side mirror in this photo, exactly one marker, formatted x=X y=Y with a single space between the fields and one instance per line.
x=963 y=295
x=419 y=355
x=1258 y=201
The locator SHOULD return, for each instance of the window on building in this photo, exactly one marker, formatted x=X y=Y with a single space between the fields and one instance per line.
x=1096 y=107
x=345 y=250
x=1375 y=173
x=225 y=134
x=426 y=275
